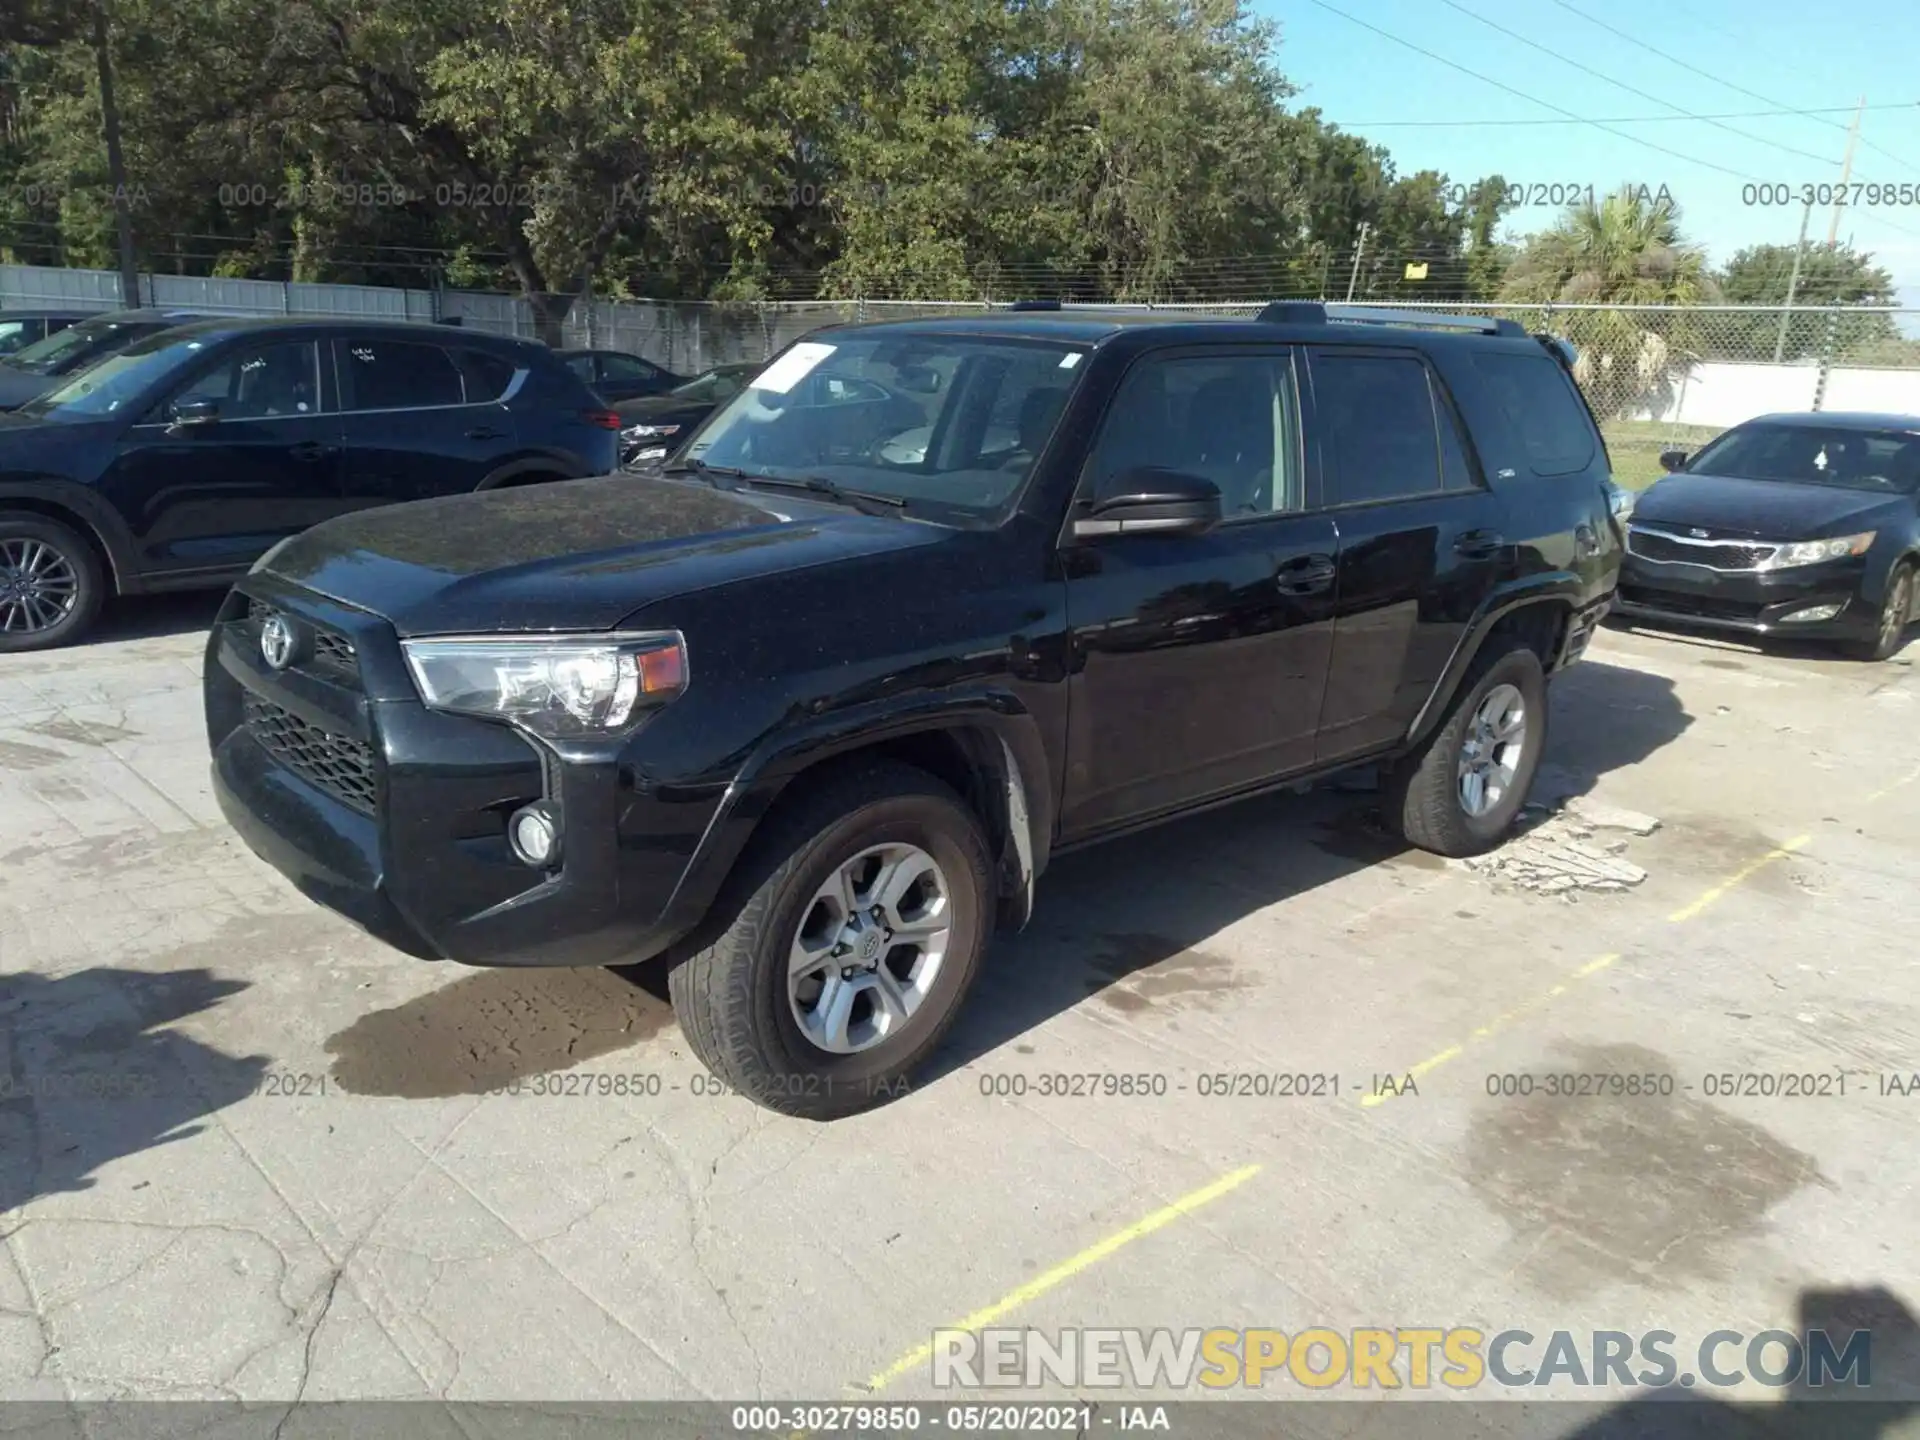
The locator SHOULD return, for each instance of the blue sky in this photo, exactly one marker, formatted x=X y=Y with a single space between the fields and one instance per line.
x=1751 y=56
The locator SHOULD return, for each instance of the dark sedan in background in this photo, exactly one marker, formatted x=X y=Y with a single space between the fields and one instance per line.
x=21 y=328
x=1786 y=525
x=616 y=375
x=176 y=462
x=655 y=424
x=37 y=369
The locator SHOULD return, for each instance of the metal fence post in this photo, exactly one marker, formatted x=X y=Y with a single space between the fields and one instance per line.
x=1826 y=358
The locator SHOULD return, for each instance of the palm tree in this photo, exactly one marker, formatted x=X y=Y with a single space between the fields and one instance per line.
x=1625 y=250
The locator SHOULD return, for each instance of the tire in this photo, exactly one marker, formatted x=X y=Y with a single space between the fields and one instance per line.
x=734 y=997
x=1423 y=797
x=1896 y=613
x=65 y=573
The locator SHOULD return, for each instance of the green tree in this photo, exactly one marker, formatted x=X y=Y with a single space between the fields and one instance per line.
x=1625 y=251
x=1762 y=275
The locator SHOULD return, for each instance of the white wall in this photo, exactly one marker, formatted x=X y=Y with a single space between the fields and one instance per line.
x=1725 y=394
x=1897 y=391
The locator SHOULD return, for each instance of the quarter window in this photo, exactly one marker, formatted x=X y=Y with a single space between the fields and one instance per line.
x=1543 y=410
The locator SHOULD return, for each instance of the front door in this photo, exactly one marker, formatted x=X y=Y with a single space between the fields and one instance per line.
x=1199 y=661
x=1420 y=543
x=215 y=494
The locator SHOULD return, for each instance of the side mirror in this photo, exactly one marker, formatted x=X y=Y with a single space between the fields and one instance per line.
x=1671 y=460
x=1153 y=500
x=187 y=413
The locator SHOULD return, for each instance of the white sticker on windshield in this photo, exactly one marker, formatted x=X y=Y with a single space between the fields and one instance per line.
x=1070 y=359
x=791 y=368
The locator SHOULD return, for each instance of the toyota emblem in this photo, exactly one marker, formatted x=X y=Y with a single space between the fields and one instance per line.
x=276 y=642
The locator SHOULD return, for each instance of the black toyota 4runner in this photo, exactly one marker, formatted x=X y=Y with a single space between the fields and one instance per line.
x=808 y=711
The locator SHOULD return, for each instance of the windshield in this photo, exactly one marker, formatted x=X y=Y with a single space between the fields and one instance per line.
x=52 y=354
x=110 y=385
x=1882 y=460
x=950 y=424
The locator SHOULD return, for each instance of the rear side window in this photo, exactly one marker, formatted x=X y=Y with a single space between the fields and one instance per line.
x=1541 y=407
x=1375 y=413
x=487 y=376
x=398 y=375
x=626 y=367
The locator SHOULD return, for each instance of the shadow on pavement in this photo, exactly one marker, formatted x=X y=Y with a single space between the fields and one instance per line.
x=1179 y=884
x=147 y=617
x=88 y=1074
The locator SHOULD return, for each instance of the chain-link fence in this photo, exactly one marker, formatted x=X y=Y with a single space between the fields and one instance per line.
x=1654 y=374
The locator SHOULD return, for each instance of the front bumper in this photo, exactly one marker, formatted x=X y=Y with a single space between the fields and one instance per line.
x=1750 y=602
x=395 y=816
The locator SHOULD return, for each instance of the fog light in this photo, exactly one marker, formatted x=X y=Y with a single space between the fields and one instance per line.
x=1812 y=613
x=535 y=836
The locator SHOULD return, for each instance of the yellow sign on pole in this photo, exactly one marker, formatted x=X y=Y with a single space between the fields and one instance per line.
x=1416 y=272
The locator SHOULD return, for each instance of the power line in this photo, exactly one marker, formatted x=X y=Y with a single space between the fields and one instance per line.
x=1693 y=69
x=1630 y=89
x=1534 y=99
x=1682 y=117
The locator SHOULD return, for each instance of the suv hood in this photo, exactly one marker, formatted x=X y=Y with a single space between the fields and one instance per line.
x=570 y=555
x=1768 y=509
x=19 y=386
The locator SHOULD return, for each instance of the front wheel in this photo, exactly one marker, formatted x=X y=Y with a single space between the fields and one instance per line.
x=1460 y=792
x=51 y=585
x=848 y=945
x=1896 y=613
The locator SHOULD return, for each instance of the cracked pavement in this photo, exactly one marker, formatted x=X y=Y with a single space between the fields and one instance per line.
x=247 y=1152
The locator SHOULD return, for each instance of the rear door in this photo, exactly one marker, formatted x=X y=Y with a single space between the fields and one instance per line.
x=1420 y=537
x=214 y=495
x=422 y=418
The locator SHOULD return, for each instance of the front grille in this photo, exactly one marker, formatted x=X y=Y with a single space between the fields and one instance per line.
x=1665 y=549
x=333 y=654
x=337 y=764
x=1677 y=603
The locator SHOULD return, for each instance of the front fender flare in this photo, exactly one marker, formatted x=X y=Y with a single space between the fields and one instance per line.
x=98 y=516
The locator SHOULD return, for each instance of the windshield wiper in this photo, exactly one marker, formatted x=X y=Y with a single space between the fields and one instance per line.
x=714 y=473
x=867 y=502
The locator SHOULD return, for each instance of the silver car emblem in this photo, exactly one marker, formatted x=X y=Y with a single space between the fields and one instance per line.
x=1697 y=533
x=276 y=642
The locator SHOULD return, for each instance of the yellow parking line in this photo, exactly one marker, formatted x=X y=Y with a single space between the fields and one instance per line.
x=1063 y=1272
x=1737 y=879
x=1886 y=790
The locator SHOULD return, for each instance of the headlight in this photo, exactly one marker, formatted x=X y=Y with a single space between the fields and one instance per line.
x=561 y=688
x=648 y=432
x=1812 y=552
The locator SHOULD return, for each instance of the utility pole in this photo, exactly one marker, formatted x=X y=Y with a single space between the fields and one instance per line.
x=116 y=160
x=1793 y=282
x=1846 y=171
x=1359 y=249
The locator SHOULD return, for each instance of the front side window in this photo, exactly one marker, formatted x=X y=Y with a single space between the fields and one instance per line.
x=951 y=424
x=1228 y=419
x=397 y=375
x=259 y=382
x=1883 y=460
x=1375 y=414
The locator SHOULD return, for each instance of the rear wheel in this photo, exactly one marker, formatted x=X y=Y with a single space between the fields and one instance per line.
x=1460 y=792
x=848 y=944
x=51 y=586
x=1896 y=614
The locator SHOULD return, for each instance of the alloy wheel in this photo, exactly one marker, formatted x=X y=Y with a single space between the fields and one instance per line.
x=869 y=948
x=39 y=586
x=1490 y=754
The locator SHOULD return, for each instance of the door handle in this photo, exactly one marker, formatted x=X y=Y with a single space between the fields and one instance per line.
x=1305 y=575
x=312 y=450
x=486 y=432
x=1479 y=544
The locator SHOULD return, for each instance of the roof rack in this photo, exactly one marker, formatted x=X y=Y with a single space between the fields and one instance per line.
x=1314 y=312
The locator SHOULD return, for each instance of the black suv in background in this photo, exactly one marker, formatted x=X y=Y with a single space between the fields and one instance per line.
x=34 y=370
x=810 y=721
x=173 y=463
